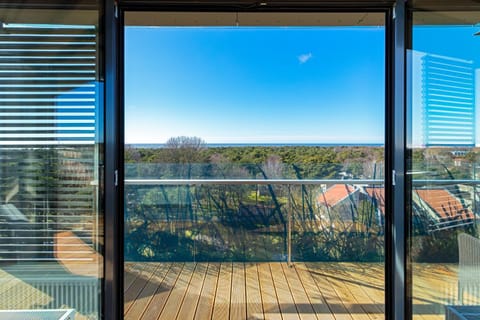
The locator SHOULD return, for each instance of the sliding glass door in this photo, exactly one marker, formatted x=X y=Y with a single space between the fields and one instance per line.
x=254 y=165
x=51 y=111
x=443 y=145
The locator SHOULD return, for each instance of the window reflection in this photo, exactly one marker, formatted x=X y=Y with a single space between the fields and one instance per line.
x=51 y=226
x=443 y=163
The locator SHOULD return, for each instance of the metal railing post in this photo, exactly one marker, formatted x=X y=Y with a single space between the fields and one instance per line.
x=289 y=239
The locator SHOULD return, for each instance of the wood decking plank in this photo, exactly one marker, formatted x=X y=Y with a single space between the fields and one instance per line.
x=143 y=300
x=138 y=285
x=329 y=289
x=371 y=280
x=253 y=292
x=177 y=294
x=221 y=306
x=315 y=296
x=349 y=301
x=368 y=289
x=434 y=285
x=207 y=295
x=163 y=291
x=323 y=286
x=83 y=260
x=189 y=305
x=285 y=297
x=442 y=279
x=334 y=302
x=302 y=302
x=368 y=305
x=132 y=271
x=271 y=309
x=238 y=306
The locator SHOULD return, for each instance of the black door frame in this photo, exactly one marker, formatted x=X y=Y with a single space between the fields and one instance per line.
x=395 y=132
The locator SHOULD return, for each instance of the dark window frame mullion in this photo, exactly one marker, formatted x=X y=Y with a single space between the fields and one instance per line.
x=408 y=183
x=391 y=273
x=395 y=183
x=113 y=174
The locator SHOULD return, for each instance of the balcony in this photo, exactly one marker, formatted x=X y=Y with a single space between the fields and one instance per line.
x=308 y=260
x=238 y=269
x=313 y=290
x=267 y=290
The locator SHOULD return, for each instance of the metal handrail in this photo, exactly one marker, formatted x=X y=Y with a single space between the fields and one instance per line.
x=446 y=181
x=177 y=182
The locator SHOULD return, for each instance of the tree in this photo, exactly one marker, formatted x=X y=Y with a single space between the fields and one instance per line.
x=273 y=167
x=184 y=150
x=471 y=157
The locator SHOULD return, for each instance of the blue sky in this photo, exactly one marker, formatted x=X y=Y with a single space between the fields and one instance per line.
x=255 y=85
x=455 y=41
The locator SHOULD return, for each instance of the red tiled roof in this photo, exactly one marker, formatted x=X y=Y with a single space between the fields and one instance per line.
x=446 y=205
x=379 y=195
x=335 y=194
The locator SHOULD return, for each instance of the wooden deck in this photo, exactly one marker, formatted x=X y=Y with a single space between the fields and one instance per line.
x=330 y=291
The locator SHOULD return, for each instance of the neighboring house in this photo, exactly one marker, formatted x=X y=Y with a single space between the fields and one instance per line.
x=377 y=196
x=433 y=209
x=441 y=209
x=339 y=202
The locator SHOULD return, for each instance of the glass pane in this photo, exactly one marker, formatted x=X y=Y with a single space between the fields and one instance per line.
x=50 y=220
x=254 y=165
x=443 y=145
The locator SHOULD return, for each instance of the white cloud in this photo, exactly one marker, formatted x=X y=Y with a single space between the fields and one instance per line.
x=303 y=58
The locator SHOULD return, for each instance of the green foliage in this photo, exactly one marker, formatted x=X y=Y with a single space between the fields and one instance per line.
x=304 y=162
x=436 y=247
x=439 y=246
x=249 y=222
x=471 y=157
